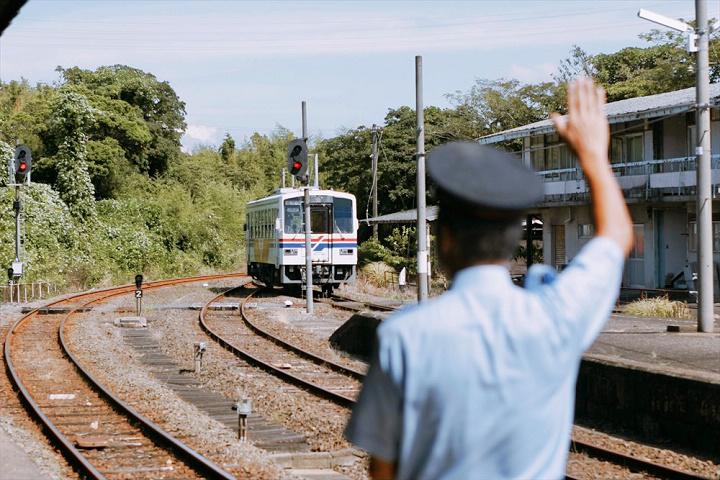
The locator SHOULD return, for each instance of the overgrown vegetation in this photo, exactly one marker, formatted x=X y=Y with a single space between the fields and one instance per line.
x=661 y=307
x=113 y=195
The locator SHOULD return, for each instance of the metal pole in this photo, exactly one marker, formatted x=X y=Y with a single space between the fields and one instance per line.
x=704 y=174
x=529 y=247
x=317 y=171
x=374 y=178
x=17 y=205
x=308 y=232
x=422 y=244
x=304 y=121
x=308 y=254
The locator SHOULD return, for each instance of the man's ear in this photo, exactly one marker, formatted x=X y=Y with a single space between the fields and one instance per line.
x=447 y=245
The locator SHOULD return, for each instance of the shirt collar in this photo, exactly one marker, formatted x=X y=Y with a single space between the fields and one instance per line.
x=490 y=277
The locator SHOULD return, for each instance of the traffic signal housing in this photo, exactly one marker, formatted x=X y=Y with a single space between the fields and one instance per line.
x=298 y=159
x=23 y=164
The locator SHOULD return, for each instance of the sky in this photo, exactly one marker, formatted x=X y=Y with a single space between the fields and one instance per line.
x=245 y=67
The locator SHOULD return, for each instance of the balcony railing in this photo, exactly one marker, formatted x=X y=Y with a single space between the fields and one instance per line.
x=650 y=179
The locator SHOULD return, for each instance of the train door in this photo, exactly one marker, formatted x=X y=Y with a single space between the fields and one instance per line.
x=320 y=225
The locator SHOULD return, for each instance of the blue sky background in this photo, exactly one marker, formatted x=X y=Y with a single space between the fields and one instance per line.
x=245 y=67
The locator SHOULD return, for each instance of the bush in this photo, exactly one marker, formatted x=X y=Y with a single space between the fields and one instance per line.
x=398 y=250
x=375 y=272
x=661 y=307
x=371 y=251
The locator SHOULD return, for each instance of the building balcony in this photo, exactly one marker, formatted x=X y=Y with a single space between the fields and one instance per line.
x=671 y=179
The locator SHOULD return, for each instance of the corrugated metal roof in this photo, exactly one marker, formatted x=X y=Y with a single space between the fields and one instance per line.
x=407 y=216
x=662 y=104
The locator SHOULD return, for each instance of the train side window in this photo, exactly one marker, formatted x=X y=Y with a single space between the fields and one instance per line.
x=343 y=213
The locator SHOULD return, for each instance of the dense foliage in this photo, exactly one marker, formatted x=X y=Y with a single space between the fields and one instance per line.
x=113 y=195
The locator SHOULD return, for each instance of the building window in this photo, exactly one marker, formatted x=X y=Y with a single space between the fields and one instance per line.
x=691 y=141
x=537 y=153
x=627 y=148
x=586 y=230
x=634 y=272
x=693 y=236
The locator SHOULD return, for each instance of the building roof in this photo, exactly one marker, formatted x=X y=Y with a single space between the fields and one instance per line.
x=407 y=216
x=662 y=104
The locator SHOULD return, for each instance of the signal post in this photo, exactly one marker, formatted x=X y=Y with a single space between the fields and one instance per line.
x=297 y=165
x=19 y=168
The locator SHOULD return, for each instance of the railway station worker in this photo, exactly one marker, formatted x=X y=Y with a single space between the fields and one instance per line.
x=480 y=382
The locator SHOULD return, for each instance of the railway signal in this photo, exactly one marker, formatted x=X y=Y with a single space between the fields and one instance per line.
x=138 y=294
x=23 y=164
x=298 y=158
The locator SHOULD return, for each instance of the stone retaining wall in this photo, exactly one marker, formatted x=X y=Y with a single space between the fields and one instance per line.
x=651 y=404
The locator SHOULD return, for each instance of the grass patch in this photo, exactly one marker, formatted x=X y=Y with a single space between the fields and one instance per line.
x=661 y=307
x=376 y=273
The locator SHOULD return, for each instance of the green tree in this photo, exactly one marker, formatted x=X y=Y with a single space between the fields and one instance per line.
x=497 y=105
x=260 y=161
x=632 y=72
x=227 y=150
x=346 y=163
x=24 y=113
x=144 y=115
x=72 y=116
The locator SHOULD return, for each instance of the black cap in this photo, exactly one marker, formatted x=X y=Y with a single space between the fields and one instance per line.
x=484 y=178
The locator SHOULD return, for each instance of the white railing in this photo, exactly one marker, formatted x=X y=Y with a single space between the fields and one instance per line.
x=671 y=176
x=23 y=292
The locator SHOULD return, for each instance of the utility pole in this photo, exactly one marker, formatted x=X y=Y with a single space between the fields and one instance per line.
x=375 y=136
x=704 y=173
x=308 y=232
x=698 y=43
x=422 y=266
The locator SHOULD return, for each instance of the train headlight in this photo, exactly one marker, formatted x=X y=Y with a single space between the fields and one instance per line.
x=291 y=251
x=346 y=251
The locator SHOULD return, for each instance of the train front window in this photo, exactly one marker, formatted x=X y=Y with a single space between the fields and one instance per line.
x=343 y=212
x=293 y=216
x=320 y=218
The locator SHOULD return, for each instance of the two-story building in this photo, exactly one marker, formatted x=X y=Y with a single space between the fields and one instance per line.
x=652 y=152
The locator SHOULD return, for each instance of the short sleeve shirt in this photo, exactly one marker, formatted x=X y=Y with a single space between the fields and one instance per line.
x=480 y=382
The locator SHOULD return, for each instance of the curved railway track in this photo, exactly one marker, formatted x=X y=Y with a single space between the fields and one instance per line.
x=99 y=434
x=322 y=377
x=273 y=363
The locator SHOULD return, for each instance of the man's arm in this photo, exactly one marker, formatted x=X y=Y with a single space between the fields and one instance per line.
x=380 y=469
x=587 y=132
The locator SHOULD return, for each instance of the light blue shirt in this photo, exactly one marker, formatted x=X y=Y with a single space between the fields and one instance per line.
x=480 y=382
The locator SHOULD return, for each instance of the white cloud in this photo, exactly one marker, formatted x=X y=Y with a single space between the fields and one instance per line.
x=533 y=73
x=198 y=135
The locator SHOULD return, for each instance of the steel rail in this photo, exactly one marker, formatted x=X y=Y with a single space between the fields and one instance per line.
x=191 y=457
x=65 y=445
x=375 y=306
x=315 y=389
x=300 y=351
x=634 y=463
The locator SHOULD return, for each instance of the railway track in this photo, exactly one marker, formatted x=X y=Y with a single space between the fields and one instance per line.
x=100 y=435
x=259 y=347
x=632 y=463
x=274 y=365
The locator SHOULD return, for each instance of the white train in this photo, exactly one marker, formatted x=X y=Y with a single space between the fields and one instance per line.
x=276 y=238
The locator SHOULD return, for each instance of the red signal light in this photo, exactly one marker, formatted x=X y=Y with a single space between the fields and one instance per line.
x=22 y=167
x=297 y=166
